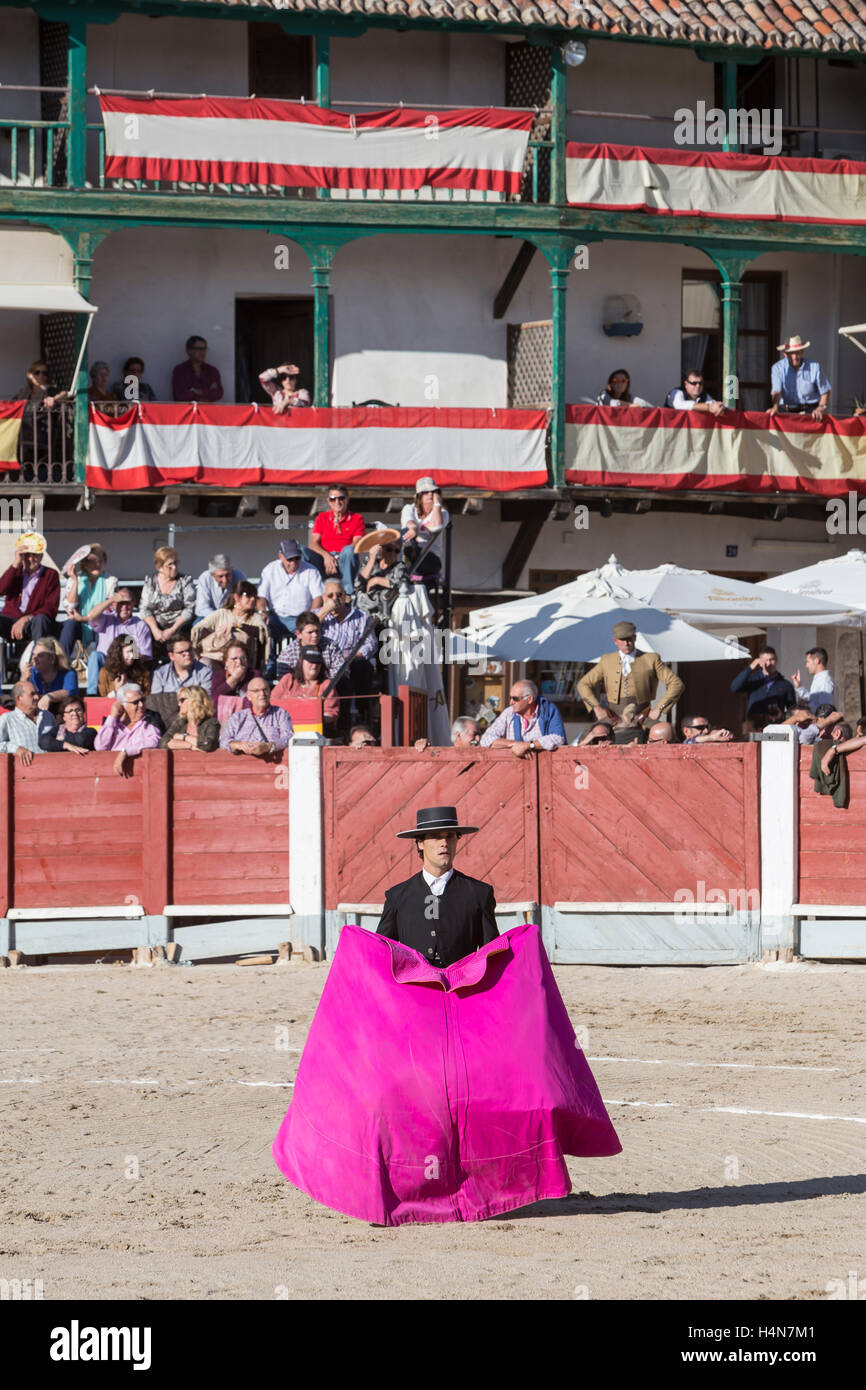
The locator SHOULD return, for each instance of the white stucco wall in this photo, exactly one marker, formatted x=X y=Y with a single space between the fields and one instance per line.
x=644 y=79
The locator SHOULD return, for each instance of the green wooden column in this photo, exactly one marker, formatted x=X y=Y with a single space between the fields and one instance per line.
x=321 y=254
x=732 y=266
x=557 y=124
x=729 y=97
x=76 y=166
x=323 y=85
x=84 y=246
x=558 y=252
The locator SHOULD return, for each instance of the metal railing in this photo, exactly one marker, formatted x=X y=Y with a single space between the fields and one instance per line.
x=46 y=449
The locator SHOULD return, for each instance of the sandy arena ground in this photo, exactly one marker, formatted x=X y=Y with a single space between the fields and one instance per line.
x=183 y=1072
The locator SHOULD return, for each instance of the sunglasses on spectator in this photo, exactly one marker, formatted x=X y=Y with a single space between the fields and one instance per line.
x=700 y=728
x=338 y=497
x=40 y=372
x=136 y=701
x=515 y=699
x=692 y=382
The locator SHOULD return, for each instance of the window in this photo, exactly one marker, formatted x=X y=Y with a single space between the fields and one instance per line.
x=280 y=64
x=758 y=333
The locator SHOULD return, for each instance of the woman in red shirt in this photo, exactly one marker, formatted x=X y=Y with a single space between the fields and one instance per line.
x=307 y=682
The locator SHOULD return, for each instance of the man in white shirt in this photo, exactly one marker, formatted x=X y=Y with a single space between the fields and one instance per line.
x=823 y=689
x=213 y=584
x=20 y=727
x=692 y=396
x=288 y=587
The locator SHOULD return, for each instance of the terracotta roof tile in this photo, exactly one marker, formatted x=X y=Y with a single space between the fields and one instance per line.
x=790 y=25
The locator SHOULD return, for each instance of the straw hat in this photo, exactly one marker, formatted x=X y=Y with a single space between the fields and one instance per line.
x=794 y=344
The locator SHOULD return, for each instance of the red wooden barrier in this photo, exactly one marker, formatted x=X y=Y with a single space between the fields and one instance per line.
x=833 y=839
x=370 y=794
x=639 y=823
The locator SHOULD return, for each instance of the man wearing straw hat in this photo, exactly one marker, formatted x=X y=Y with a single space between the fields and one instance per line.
x=798 y=384
x=439 y=912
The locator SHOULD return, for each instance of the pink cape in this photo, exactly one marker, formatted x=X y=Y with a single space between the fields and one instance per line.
x=440 y=1095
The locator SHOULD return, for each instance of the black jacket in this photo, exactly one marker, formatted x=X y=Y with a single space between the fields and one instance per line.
x=444 y=929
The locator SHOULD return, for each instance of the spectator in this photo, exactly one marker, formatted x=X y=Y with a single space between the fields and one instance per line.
x=287 y=588
x=598 y=735
x=630 y=728
x=823 y=689
x=281 y=384
x=196 y=728
x=36 y=390
x=308 y=633
x=21 y=727
x=618 y=391
x=31 y=590
x=332 y=539
x=425 y=516
x=88 y=588
x=797 y=383
x=698 y=729
x=131 y=387
x=261 y=730
x=465 y=733
x=812 y=727
x=167 y=602
x=99 y=391
x=181 y=669
x=111 y=619
x=72 y=734
x=692 y=396
x=309 y=681
x=234 y=678
x=50 y=674
x=237 y=622
x=362 y=736
x=765 y=686
x=196 y=379
x=530 y=725
x=352 y=635
x=378 y=582
x=214 y=585
x=40 y=430
x=662 y=732
x=123 y=666
x=844 y=742
x=126 y=730
x=629 y=676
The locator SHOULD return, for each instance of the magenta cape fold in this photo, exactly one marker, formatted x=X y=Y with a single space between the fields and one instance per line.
x=440 y=1095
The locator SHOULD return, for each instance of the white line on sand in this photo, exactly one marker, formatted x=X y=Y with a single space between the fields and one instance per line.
x=745 y=1066
x=737 y=1110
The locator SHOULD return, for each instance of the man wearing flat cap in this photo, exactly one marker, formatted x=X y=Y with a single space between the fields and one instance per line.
x=628 y=676
x=439 y=912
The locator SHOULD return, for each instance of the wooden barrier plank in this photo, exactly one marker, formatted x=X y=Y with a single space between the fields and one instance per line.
x=832 y=848
x=156 y=811
x=7 y=830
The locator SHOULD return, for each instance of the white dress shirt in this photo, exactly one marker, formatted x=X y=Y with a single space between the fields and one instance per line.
x=823 y=691
x=627 y=661
x=436 y=885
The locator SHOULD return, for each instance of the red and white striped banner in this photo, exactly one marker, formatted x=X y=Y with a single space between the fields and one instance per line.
x=244 y=445
x=700 y=183
x=292 y=144
x=737 y=452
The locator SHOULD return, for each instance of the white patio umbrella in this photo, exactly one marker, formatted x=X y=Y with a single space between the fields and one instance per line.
x=840 y=581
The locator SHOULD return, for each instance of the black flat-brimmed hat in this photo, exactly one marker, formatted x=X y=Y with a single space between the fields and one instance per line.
x=431 y=819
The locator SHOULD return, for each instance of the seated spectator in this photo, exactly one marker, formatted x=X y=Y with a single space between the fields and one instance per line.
x=167 y=602
x=261 y=730
x=88 y=588
x=31 y=590
x=181 y=669
x=812 y=727
x=379 y=579
x=50 y=673
x=196 y=727
x=662 y=732
x=698 y=729
x=465 y=733
x=618 y=391
x=281 y=384
x=234 y=678
x=426 y=516
x=288 y=587
x=692 y=396
x=845 y=742
x=630 y=728
x=353 y=637
x=99 y=391
x=237 y=622
x=131 y=386
x=126 y=729
x=797 y=383
x=766 y=687
x=112 y=619
x=71 y=734
x=20 y=727
x=823 y=689
x=308 y=681
x=195 y=379
x=597 y=735
x=362 y=736
x=123 y=666
x=530 y=724
x=332 y=539
x=215 y=584
x=308 y=633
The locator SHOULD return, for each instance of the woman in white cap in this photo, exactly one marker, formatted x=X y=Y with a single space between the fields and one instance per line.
x=426 y=517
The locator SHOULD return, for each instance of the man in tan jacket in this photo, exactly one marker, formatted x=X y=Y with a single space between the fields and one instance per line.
x=628 y=676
